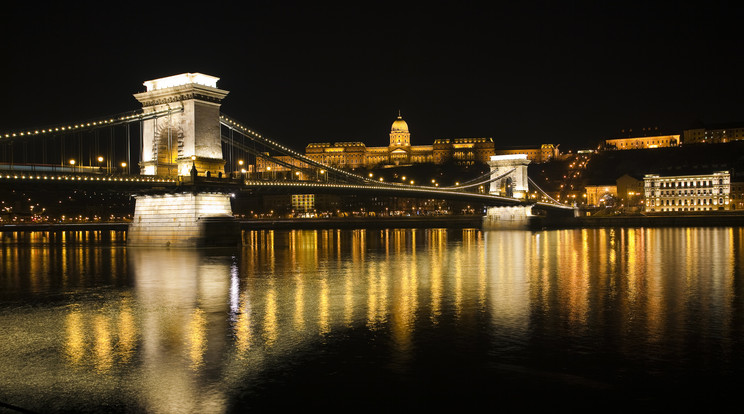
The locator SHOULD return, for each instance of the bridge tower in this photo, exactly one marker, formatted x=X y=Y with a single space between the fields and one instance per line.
x=184 y=142
x=189 y=136
x=512 y=185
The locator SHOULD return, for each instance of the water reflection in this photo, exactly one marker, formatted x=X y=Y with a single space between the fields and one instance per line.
x=186 y=331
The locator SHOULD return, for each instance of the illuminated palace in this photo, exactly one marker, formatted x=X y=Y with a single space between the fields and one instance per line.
x=463 y=151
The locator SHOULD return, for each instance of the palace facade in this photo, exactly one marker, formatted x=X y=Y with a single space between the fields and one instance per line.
x=350 y=155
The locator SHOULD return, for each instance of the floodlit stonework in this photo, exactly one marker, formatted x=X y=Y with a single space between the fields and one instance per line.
x=515 y=184
x=182 y=220
x=181 y=132
x=191 y=127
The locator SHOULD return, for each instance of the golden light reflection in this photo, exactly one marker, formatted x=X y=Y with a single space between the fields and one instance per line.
x=437 y=289
x=375 y=294
x=348 y=297
x=196 y=338
x=102 y=343
x=324 y=323
x=482 y=274
x=74 y=347
x=404 y=305
x=299 y=303
x=127 y=333
x=243 y=327
x=270 y=326
x=458 y=265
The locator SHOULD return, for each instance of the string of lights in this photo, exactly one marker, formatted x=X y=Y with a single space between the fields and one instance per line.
x=105 y=122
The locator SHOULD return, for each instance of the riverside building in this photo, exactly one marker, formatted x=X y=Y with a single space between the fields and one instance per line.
x=706 y=192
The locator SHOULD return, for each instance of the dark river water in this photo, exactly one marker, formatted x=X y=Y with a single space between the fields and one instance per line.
x=592 y=320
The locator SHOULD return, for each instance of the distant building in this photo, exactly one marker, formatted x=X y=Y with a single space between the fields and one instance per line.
x=303 y=202
x=630 y=190
x=600 y=195
x=543 y=153
x=714 y=134
x=737 y=195
x=350 y=155
x=659 y=141
x=705 y=192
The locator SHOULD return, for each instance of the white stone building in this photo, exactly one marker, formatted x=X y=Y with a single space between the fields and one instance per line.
x=705 y=192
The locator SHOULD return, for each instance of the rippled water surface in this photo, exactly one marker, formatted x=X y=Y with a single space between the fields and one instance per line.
x=398 y=320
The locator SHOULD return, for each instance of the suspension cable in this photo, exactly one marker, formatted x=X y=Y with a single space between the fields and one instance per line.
x=544 y=193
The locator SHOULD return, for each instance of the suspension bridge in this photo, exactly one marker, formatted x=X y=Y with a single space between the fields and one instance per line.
x=182 y=158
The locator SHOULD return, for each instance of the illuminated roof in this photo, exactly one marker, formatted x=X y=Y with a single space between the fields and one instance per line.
x=180 y=80
x=399 y=125
x=509 y=157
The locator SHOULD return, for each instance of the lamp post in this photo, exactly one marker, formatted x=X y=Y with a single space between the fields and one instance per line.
x=100 y=160
x=72 y=163
x=240 y=164
x=124 y=168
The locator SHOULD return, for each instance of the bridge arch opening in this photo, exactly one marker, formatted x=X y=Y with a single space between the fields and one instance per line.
x=509 y=187
x=168 y=148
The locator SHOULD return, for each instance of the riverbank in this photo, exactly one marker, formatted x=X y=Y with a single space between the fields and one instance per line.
x=725 y=219
x=115 y=226
x=365 y=222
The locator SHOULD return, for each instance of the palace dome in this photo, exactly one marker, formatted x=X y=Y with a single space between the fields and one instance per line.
x=399 y=125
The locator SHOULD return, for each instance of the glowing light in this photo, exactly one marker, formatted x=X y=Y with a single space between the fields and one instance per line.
x=180 y=80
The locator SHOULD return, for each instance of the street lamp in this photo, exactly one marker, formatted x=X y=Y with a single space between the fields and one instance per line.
x=100 y=160
x=72 y=163
x=123 y=167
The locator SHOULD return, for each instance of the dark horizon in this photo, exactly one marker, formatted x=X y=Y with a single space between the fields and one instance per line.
x=522 y=74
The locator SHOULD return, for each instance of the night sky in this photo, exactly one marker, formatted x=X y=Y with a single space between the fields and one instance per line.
x=526 y=73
